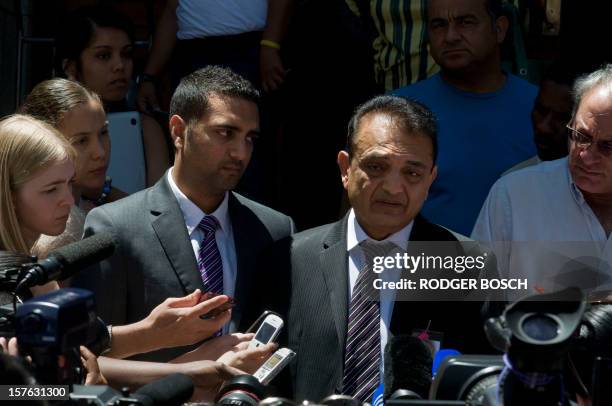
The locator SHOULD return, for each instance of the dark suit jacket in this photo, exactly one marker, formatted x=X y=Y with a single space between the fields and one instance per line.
x=307 y=283
x=154 y=259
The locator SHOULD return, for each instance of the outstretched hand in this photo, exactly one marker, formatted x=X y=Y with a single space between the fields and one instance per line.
x=248 y=359
x=214 y=348
x=176 y=321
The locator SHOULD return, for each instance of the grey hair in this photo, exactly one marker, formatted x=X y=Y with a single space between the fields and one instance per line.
x=584 y=84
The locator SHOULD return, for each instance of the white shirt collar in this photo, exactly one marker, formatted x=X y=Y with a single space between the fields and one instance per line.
x=192 y=214
x=355 y=234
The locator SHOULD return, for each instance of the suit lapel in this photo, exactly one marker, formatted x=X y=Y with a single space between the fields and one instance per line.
x=246 y=252
x=169 y=226
x=413 y=314
x=334 y=265
x=423 y=230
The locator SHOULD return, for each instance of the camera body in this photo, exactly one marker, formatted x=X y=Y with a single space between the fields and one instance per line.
x=535 y=334
x=51 y=327
x=57 y=321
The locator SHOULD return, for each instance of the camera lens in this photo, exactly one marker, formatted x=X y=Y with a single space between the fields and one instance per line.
x=540 y=327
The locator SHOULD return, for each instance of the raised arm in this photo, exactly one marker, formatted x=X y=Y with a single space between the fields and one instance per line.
x=164 y=41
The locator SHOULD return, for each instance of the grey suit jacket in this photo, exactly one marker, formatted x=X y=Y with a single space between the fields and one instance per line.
x=307 y=283
x=154 y=259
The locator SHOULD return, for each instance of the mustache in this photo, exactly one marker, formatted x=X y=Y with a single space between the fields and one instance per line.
x=233 y=164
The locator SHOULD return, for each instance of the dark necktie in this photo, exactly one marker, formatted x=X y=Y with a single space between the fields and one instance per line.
x=209 y=258
x=362 y=352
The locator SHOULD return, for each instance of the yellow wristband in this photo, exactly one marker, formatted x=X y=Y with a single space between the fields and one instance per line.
x=270 y=44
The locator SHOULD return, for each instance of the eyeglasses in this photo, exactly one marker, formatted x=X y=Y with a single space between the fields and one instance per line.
x=584 y=141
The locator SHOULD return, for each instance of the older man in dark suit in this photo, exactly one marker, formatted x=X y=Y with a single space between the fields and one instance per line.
x=319 y=274
x=189 y=231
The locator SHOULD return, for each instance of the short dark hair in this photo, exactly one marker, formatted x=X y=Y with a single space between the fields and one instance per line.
x=411 y=116
x=191 y=98
x=78 y=28
x=494 y=9
x=564 y=72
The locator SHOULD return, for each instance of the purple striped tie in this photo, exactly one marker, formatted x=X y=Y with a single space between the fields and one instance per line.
x=209 y=260
x=363 y=353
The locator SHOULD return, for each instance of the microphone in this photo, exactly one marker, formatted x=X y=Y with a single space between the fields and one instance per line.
x=64 y=262
x=408 y=363
x=174 y=389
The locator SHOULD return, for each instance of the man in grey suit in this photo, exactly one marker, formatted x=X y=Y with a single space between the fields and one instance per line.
x=317 y=282
x=189 y=231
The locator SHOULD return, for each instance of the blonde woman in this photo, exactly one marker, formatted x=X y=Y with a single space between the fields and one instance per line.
x=36 y=172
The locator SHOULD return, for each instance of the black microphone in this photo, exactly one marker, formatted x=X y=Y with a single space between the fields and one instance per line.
x=174 y=389
x=64 y=262
x=408 y=363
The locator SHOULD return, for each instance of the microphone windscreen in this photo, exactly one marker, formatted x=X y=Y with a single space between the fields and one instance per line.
x=91 y=250
x=408 y=363
x=174 y=389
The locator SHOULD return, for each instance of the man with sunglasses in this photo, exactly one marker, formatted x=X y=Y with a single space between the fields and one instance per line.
x=566 y=201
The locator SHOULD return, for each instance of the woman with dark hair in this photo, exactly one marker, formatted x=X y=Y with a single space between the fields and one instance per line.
x=77 y=113
x=95 y=48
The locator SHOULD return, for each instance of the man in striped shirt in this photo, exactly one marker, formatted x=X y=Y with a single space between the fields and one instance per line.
x=399 y=30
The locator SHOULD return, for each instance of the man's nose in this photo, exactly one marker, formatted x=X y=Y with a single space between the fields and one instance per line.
x=394 y=183
x=589 y=155
x=544 y=125
x=452 y=34
x=241 y=150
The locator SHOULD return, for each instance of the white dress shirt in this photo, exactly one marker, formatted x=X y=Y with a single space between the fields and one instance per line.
x=539 y=226
x=224 y=235
x=356 y=261
x=211 y=18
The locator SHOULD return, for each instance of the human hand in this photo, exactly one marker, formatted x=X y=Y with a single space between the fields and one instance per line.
x=248 y=359
x=215 y=347
x=208 y=376
x=9 y=346
x=272 y=70
x=146 y=100
x=90 y=363
x=182 y=316
x=46 y=288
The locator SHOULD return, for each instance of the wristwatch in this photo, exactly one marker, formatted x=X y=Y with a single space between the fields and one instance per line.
x=145 y=77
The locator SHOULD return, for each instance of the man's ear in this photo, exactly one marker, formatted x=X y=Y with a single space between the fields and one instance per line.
x=434 y=174
x=69 y=66
x=344 y=163
x=178 y=130
x=501 y=28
